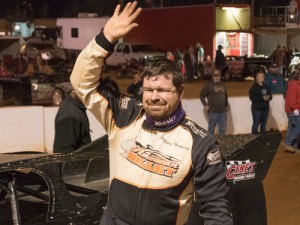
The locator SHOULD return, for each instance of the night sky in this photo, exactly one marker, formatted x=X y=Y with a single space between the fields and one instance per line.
x=71 y=8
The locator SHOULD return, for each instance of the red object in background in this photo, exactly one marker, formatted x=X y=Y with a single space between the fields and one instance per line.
x=298 y=3
x=7 y=60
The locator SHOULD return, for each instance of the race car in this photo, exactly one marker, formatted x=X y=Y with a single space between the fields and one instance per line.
x=63 y=189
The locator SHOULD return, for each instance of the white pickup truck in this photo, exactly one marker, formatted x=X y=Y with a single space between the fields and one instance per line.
x=125 y=52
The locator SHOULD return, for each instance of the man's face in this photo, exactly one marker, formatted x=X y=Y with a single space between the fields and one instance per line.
x=260 y=77
x=216 y=78
x=160 y=97
x=274 y=70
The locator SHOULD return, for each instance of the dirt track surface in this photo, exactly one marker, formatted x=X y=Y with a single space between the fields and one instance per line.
x=282 y=183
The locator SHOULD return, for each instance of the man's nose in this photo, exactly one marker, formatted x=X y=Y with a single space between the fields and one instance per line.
x=155 y=95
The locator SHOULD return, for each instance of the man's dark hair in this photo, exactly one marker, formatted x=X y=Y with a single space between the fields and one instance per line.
x=258 y=71
x=164 y=67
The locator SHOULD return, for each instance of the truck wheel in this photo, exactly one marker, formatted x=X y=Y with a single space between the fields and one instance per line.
x=57 y=97
x=1 y=94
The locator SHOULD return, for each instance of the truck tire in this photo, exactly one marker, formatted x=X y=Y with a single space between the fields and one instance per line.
x=57 y=97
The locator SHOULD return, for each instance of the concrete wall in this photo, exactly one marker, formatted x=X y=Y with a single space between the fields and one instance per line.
x=31 y=128
x=266 y=43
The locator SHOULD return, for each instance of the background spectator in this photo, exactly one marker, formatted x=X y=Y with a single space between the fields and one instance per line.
x=72 y=128
x=292 y=108
x=275 y=81
x=278 y=57
x=220 y=61
x=189 y=63
x=136 y=87
x=260 y=96
x=215 y=100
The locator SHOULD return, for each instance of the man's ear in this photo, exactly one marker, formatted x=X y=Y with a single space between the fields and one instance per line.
x=181 y=91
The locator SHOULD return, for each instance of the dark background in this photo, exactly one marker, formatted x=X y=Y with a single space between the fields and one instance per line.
x=12 y=9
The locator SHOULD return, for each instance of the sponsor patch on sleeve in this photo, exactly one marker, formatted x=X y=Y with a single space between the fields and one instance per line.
x=214 y=157
x=123 y=103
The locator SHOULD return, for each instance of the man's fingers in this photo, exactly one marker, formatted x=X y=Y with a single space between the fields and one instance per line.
x=126 y=8
x=129 y=8
x=136 y=14
x=117 y=10
x=131 y=26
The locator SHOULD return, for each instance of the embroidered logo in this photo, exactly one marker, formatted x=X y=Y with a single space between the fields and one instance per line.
x=123 y=103
x=149 y=159
x=195 y=129
x=240 y=170
x=214 y=157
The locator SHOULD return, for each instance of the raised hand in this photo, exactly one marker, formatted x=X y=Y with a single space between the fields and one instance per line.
x=121 y=23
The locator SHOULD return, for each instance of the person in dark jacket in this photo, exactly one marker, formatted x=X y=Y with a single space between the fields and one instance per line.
x=260 y=96
x=220 y=61
x=189 y=63
x=215 y=100
x=72 y=129
x=275 y=81
x=136 y=87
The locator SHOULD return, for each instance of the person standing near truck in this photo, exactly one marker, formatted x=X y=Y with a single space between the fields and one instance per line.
x=160 y=160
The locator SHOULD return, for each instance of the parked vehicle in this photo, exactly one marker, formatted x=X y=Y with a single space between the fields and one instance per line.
x=125 y=52
x=36 y=46
x=237 y=67
x=39 y=89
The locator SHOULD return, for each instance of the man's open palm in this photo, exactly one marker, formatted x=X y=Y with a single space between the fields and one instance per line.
x=121 y=23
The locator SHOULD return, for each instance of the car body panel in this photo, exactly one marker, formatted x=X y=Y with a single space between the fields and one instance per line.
x=63 y=189
x=37 y=46
x=36 y=89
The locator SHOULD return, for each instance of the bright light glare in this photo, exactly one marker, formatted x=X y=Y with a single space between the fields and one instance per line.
x=232 y=10
x=17 y=27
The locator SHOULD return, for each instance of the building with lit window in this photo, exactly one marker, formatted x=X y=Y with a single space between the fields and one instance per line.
x=210 y=25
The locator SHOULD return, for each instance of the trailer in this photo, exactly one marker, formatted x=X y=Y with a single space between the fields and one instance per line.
x=76 y=33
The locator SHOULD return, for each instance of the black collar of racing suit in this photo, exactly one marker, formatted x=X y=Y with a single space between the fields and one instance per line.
x=168 y=122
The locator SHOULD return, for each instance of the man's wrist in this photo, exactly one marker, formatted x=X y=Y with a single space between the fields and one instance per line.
x=104 y=42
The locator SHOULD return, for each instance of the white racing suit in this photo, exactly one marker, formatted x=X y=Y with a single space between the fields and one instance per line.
x=155 y=172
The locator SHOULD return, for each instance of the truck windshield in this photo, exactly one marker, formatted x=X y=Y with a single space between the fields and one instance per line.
x=142 y=48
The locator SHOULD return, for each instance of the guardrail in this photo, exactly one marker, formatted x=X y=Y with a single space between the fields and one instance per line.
x=31 y=128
